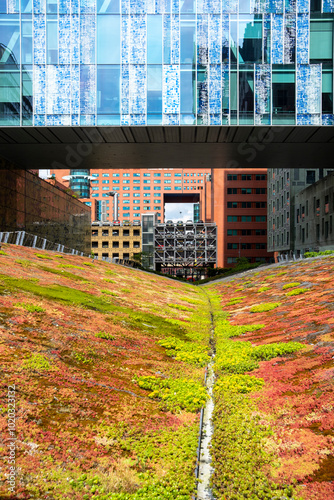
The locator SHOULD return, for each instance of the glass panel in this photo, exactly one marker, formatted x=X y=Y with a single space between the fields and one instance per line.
x=108 y=6
x=26 y=42
x=154 y=39
x=188 y=89
x=107 y=25
x=52 y=41
x=108 y=89
x=250 y=41
x=321 y=40
x=188 y=40
x=154 y=89
x=9 y=97
x=10 y=39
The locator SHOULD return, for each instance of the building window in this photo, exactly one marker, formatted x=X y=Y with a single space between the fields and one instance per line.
x=260 y=218
x=232 y=246
x=260 y=177
x=95 y=175
x=136 y=175
x=310 y=176
x=105 y=255
x=115 y=244
x=126 y=256
x=156 y=182
x=126 y=175
x=246 y=232
x=126 y=182
x=232 y=204
x=232 y=191
x=232 y=218
x=126 y=244
x=246 y=190
x=246 y=177
x=318 y=231
x=126 y=232
x=107 y=175
x=157 y=175
x=136 y=232
x=147 y=175
x=95 y=244
x=260 y=191
x=167 y=175
x=246 y=204
x=246 y=218
x=232 y=232
x=105 y=232
x=115 y=255
x=260 y=204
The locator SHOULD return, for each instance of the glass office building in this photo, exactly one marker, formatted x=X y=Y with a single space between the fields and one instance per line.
x=166 y=62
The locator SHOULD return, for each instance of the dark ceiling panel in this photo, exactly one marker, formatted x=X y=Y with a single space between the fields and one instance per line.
x=231 y=134
x=201 y=134
x=223 y=134
x=20 y=135
x=93 y=134
x=278 y=134
x=66 y=135
x=187 y=134
x=140 y=134
x=242 y=134
x=322 y=134
x=4 y=139
x=156 y=134
x=112 y=134
x=172 y=134
x=127 y=131
x=213 y=134
x=48 y=134
x=301 y=134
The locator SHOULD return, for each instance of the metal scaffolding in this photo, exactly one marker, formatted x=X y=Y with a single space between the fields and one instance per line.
x=185 y=245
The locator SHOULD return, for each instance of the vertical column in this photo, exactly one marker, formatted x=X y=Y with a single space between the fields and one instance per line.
x=308 y=94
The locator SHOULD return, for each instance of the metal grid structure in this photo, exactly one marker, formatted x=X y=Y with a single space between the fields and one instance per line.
x=185 y=245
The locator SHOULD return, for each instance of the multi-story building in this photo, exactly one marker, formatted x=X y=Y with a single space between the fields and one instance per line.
x=314 y=211
x=139 y=190
x=239 y=208
x=95 y=63
x=45 y=210
x=115 y=242
x=283 y=186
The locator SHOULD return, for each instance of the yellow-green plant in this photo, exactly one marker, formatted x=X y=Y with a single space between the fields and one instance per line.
x=297 y=291
x=290 y=285
x=265 y=307
x=175 y=394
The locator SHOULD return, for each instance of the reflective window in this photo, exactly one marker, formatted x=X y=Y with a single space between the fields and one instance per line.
x=154 y=39
x=105 y=53
x=108 y=89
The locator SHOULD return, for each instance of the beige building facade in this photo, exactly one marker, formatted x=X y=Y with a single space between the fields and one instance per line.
x=115 y=241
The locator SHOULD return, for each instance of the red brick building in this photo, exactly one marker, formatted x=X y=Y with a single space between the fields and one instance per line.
x=139 y=190
x=239 y=208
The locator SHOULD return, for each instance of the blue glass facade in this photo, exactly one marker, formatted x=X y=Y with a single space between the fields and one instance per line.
x=166 y=62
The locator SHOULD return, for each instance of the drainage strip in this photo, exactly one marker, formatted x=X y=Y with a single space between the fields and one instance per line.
x=204 y=469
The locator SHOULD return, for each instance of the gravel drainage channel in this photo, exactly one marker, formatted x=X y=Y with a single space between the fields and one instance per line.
x=204 y=468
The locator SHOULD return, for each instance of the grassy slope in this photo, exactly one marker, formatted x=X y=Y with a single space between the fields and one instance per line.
x=75 y=338
x=277 y=442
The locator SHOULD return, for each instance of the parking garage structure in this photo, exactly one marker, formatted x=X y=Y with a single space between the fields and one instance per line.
x=185 y=246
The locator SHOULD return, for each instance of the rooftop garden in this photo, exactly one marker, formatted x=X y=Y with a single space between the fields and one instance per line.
x=103 y=369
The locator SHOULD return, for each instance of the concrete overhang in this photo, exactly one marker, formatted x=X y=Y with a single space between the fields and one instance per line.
x=168 y=147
